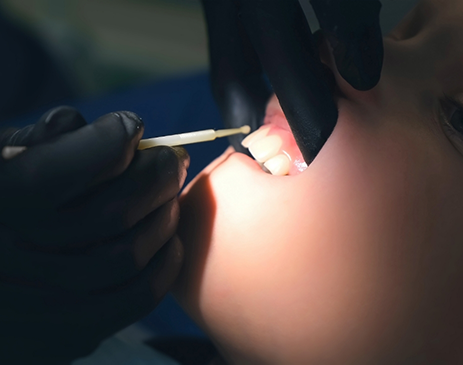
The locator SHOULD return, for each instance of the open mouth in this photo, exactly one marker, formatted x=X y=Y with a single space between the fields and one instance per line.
x=273 y=145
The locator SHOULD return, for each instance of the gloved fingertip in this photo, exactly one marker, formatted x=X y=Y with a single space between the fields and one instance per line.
x=354 y=32
x=360 y=62
x=132 y=122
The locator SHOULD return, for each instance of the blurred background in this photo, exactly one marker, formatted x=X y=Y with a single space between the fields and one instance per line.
x=102 y=45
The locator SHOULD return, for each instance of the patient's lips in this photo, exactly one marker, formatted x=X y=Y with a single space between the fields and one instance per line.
x=273 y=144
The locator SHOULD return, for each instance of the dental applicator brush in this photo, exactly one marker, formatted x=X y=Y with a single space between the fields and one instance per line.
x=9 y=152
x=191 y=137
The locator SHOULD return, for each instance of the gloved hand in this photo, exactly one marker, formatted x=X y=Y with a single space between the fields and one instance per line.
x=250 y=37
x=87 y=233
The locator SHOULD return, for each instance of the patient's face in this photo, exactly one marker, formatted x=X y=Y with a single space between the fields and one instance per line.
x=358 y=259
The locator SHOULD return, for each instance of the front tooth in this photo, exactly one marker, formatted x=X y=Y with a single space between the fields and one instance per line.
x=255 y=136
x=265 y=148
x=278 y=165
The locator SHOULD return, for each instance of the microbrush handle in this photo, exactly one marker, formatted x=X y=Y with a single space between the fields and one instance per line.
x=178 y=139
x=8 y=152
x=191 y=137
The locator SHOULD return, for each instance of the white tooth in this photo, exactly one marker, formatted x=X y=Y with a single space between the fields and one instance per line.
x=278 y=165
x=255 y=136
x=265 y=148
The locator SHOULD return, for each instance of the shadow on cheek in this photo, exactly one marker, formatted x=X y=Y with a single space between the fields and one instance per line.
x=197 y=215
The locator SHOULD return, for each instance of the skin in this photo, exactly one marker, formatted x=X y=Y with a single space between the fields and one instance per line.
x=357 y=260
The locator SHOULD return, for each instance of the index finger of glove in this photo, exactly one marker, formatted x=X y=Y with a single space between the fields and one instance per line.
x=52 y=173
x=353 y=30
x=283 y=40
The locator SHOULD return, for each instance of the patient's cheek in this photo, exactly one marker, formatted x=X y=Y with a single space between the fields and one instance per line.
x=259 y=280
x=342 y=256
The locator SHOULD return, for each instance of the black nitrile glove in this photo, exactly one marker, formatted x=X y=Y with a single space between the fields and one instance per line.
x=353 y=30
x=87 y=233
x=248 y=38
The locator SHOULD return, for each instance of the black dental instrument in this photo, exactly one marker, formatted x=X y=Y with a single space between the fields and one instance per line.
x=251 y=39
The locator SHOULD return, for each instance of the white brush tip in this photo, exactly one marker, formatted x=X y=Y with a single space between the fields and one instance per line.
x=245 y=129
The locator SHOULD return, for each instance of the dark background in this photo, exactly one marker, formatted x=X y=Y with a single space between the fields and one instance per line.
x=103 y=45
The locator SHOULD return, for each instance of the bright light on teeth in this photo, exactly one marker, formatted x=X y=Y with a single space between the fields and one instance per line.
x=255 y=136
x=278 y=165
x=266 y=150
